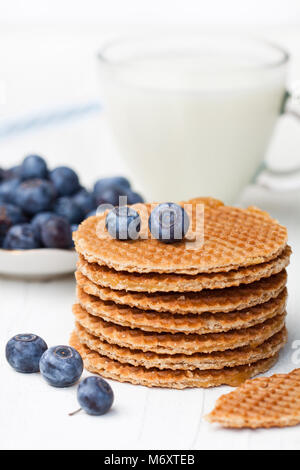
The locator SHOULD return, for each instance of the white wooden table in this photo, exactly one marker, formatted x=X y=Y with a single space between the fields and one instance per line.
x=34 y=415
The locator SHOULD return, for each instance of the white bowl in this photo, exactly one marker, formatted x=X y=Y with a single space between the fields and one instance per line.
x=37 y=264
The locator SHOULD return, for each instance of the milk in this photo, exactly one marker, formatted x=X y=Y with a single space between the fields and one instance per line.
x=192 y=128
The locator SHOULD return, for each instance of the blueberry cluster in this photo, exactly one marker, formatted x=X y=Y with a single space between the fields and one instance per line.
x=40 y=208
x=168 y=223
x=60 y=366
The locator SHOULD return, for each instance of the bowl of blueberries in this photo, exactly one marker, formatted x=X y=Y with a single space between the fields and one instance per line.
x=41 y=208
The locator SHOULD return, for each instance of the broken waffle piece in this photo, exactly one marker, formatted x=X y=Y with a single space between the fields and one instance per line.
x=261 y=403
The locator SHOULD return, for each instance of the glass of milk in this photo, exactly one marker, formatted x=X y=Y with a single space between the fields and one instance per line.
x=193 y=113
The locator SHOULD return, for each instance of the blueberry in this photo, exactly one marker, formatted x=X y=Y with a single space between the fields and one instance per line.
x=61 y=366
x=56 y=233
x=111 y=196
x=134 y=198
x=8 y=189
x=106 y=183
x=23 y=352
x=9 y=215
x=123 y=223
x=35 y=196
x=21 y=237
x=85 y=201
x=65 y=181
x=13 y=172
x=33 y=167
x=169 y=222
x=95 y=395
x=39 y=220
x=66 y=207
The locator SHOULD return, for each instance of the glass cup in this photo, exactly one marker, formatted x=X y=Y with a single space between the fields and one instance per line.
x=193 y=113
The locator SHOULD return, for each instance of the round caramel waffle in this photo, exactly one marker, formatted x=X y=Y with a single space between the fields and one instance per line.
x=201 y=361
x=179 y=379
x=177 y=343
x=232 y=238
x=148 y=320
x=213 y=301
x=154 y=282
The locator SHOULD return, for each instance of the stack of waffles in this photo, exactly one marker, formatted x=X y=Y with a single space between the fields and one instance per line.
x=170 y=315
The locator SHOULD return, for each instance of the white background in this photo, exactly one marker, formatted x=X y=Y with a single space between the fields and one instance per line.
x=47 y=56
x=199 y=12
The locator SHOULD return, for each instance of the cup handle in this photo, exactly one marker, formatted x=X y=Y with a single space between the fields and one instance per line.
x=280 y=180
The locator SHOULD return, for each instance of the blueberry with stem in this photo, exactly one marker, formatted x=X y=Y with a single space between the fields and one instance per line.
x=95 y=396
